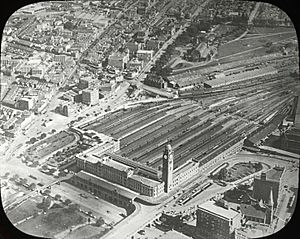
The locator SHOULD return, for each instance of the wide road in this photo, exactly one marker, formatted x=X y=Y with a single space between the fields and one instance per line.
x=99 y=207
x=132 y=224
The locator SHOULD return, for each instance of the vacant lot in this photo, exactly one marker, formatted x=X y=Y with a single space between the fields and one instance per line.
x=49 y=145
x=53 y=222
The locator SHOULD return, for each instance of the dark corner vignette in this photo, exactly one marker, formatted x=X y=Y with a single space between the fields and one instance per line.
x=290 y=7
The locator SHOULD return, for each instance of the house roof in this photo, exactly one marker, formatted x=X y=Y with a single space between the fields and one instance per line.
x=253 y=211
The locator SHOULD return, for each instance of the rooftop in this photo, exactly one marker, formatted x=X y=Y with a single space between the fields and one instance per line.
x=253 y=211
x=106 y=184
x=212 y=208
x=116 y=165
x=184 y=167
x=144 y=180
x=275 y=173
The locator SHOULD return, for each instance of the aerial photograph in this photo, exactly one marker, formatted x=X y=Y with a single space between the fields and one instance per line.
x=149 y=119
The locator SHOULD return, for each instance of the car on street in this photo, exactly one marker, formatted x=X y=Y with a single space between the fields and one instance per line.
x=83 y=195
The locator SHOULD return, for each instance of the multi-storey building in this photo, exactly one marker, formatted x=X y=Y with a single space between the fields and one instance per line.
x=102 y=162
x=216 y=221
x=90 y=96
x=25 y=103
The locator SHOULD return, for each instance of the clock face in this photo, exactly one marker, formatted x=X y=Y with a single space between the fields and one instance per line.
x=165 y=156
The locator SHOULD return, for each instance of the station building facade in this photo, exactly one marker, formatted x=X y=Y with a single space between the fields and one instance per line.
x=102 y=161
x=106 y=190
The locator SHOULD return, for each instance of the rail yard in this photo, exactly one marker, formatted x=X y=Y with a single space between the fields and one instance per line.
x=201 y=122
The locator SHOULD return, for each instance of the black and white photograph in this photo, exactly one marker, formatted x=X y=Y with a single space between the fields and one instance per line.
x=149 y=119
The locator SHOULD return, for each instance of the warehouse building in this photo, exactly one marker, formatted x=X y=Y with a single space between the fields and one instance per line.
x=155 y=81
x=186 y=80
x=236 y=77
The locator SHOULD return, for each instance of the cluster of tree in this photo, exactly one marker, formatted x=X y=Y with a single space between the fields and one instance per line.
x=45 y=204
x=160 y=67
x=32 y=140
x=234 y=32
x=193 y=32
x=234 y=20
x=69 y=25
x=258 y=166
x=222 y=174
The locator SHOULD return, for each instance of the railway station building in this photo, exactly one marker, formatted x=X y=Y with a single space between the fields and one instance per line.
x=106 y=190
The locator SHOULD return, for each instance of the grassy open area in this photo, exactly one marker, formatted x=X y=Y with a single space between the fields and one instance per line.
x=241 y=170
x=249 y=43
x=88 y=231
x=267 y=30
x=49 y=145
x=53 y=222
x=25 y=210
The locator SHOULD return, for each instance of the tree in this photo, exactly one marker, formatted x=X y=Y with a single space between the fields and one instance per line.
x=32 y=140
x=100 y=221
x=68 y=201
x=24 y=181
x=57 y=197
x=222 y=174
x=43 y=135
x=45 y=204
x=16 y=177
x=32 y=186
x=47 y=191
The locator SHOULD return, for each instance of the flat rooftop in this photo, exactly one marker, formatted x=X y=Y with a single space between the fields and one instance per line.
x=106 y=184
x=212 y=208
x=275 y=173
x=145 y=180
x=187 y=165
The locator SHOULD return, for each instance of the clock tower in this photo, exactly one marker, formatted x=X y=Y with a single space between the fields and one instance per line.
x=167 y=169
